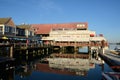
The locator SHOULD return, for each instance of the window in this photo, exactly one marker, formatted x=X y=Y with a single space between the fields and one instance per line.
x=13 y=30
x=1 y=28
x=80 y=25
x=6 y=28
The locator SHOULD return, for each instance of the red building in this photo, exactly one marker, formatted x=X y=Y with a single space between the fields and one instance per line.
x=44 y=29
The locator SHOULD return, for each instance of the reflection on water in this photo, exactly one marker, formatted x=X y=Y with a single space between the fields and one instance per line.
x=76 y=65
x=7 y=74
x=24 y=71
x=61 y=69
x=58 y=69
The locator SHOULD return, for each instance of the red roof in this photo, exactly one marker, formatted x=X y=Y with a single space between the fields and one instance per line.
x=45 y=28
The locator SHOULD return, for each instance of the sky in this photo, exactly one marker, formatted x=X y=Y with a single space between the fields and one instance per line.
x=103 y=16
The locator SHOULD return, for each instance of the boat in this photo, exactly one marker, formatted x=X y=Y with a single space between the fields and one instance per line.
x=117 y=50
x=110 y=75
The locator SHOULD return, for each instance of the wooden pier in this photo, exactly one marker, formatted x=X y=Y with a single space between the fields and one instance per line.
x=17 y=53
x=22 y=48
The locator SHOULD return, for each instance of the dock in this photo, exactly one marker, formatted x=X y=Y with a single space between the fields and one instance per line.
x=13 y=49
x=112 y=59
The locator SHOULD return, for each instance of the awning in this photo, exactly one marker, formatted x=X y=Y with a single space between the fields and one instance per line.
x=4 y=37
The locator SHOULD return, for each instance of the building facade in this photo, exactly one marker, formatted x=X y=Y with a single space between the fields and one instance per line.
x=64 y=34
x=24 y=31
x=11 y=32
x=7 y=27
x=71 y=35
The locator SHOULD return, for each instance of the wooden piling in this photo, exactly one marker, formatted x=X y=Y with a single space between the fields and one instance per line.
x=11 y=51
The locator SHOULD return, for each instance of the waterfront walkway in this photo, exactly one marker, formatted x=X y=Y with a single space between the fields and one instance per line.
x=112 y=59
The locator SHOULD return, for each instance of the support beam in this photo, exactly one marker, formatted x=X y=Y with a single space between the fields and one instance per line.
x=11 y=51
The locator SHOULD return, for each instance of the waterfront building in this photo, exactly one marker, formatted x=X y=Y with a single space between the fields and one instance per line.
x=44 y=29
x=24 y=31
x=70 y=34
x=11 y=32
x=7 y=28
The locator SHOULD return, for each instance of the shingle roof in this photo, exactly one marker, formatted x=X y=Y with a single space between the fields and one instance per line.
x=45 y=28
x=4 y=20
x=7 y=21
x=24 y=26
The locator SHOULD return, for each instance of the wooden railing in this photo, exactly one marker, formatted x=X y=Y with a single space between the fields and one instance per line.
x=30 y=45
x=23 y=45
x=79 y=44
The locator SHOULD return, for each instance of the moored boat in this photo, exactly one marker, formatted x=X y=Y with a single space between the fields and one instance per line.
x=117 y=50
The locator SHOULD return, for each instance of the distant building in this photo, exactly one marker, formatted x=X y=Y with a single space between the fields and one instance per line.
x=7 y=28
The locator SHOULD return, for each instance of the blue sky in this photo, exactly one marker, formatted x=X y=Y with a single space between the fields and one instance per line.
x=103 y=16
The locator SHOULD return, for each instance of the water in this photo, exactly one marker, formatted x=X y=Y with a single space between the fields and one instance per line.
x=93 y=74
x=113 y=46
x=27 y=70
x=30 y=72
